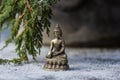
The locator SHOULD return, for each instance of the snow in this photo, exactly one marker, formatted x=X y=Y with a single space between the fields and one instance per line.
x=85 y=64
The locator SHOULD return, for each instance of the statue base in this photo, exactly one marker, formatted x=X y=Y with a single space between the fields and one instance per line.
x=56 y=64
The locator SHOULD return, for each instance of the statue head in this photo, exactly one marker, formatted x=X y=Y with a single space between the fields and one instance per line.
x=57 y=31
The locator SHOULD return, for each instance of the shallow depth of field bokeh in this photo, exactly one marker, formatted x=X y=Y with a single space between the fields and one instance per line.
x=92 y=36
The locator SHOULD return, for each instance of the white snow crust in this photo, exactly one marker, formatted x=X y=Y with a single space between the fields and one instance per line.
x=85 y=64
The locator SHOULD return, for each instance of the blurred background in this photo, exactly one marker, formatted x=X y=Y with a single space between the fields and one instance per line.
x=87 y=23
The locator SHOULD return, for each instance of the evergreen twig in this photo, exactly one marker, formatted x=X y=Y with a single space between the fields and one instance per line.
x=35 y=16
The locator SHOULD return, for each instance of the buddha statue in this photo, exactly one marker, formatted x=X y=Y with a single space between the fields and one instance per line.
x=56 y=59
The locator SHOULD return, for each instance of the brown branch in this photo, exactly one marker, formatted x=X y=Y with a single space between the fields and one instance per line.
x=21 y=16
x=29 y=7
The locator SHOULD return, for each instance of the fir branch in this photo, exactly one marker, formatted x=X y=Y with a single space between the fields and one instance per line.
x=35 y=16
x=29 y=7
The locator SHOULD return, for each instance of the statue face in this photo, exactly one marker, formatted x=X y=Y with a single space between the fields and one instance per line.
x=57 y=34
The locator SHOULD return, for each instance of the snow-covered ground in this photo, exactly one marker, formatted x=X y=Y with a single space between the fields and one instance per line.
x=85 y=64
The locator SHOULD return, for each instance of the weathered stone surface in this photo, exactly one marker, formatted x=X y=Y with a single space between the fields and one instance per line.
x=88 y=21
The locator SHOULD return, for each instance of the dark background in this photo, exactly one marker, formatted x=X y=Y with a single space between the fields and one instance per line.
x=88 y=23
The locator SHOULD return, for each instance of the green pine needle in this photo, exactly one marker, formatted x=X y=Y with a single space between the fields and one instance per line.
x=34 y=15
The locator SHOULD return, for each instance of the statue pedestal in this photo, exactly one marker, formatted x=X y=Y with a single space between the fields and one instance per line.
x=56 y=59
x=56 y=64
